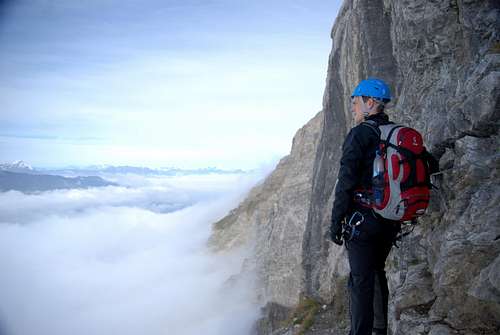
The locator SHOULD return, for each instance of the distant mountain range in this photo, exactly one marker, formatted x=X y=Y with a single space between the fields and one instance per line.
x=23 y=167
x=21 y=176
x=29 y=182
x=168 y=171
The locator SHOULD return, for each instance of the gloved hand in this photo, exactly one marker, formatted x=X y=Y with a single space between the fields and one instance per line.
x=336 y=233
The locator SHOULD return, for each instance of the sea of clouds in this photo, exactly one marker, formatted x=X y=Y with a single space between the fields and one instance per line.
x=123 y=260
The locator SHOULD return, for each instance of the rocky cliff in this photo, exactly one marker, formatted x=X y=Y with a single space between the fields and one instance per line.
x=442 y=60
x=272 y=221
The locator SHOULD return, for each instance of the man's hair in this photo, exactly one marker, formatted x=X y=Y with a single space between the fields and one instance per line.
x=380 y=106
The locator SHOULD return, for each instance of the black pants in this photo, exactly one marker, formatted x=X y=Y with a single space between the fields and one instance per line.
x=367 y=252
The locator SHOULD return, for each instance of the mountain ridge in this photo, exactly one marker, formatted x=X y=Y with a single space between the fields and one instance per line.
x=21 y=166
x=35 y=182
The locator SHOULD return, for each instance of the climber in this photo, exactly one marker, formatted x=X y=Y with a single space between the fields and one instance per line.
x=369 y=247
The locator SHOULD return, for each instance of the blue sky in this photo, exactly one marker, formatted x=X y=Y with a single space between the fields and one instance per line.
x=159 y=83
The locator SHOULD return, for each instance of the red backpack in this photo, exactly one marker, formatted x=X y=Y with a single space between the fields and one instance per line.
x=406 y=175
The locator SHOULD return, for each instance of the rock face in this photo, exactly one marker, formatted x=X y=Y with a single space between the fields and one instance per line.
x=442 y=60
x=272 y=218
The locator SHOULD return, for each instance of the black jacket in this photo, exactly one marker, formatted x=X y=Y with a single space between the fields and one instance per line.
x=356 y=164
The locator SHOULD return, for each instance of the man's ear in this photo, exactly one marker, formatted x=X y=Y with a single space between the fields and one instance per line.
x=370 y=103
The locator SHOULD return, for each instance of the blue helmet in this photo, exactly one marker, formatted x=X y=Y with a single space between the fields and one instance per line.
x=374 y=88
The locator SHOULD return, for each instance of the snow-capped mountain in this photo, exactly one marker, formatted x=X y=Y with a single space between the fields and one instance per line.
x=17 y=166
x=20 y=176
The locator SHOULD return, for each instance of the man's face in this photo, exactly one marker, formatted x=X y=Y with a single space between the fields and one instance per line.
x=356 y=109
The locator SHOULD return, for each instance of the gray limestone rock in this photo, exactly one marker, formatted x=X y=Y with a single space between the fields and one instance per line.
x=486 y=285
x=271 y=221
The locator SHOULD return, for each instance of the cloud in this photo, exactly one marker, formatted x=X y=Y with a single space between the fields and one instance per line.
x=153 y=193
x=99 y=262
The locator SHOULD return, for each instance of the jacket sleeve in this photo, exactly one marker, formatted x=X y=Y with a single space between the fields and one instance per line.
x=349 y=174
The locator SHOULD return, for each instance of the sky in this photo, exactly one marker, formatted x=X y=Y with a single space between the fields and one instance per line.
x=115 y=260
x=190 y=84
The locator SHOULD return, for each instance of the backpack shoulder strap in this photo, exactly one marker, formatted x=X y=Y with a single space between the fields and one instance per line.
x=372 y=125
x=391 y=131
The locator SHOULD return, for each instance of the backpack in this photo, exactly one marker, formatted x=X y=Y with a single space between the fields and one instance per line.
x=406 y=176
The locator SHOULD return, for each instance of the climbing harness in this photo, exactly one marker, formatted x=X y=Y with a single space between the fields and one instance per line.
x=350 y=229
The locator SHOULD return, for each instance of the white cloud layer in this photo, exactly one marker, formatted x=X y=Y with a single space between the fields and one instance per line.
x=99 y=261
